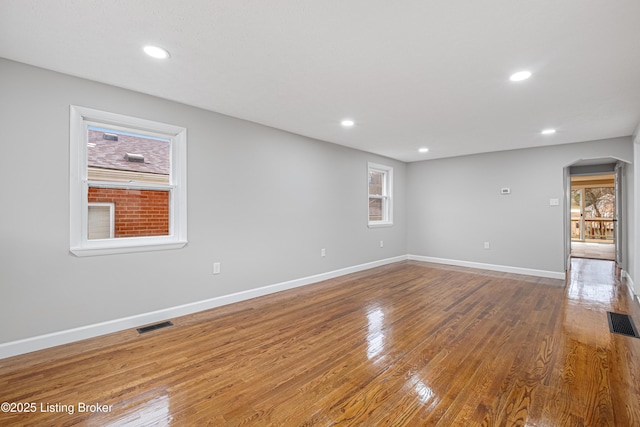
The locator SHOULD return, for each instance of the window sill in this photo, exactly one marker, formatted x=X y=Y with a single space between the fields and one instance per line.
x=96 y=251
x=380 y=224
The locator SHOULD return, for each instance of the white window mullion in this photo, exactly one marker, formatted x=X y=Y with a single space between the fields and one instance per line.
x=130 y=186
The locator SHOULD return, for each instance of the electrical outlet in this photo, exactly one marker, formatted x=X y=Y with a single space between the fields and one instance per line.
x=216 y=268
x=486 y=245
x=382 y=243
x=323 y=252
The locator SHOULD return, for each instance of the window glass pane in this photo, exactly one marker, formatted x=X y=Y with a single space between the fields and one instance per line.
x=599 y=202
x=576 y=203
x=576 y=211
x=137 y=213
x=376 y=182
x=598 y=212
x=118 y=156
x=375 y=209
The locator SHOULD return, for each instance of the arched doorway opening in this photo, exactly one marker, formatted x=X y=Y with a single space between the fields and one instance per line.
x=594 y=220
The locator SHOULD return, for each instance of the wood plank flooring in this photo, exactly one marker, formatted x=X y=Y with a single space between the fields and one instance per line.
x=408 y=344
x=594 y=250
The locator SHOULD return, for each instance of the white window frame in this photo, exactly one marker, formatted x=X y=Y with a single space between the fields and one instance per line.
x=112 y=219
x=386 y=197
x=80 y=119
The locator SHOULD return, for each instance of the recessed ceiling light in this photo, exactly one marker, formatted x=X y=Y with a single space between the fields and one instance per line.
x=347 y=123
x=548 y=132
x=423 y=150
x=156 y=52
x=520 y=75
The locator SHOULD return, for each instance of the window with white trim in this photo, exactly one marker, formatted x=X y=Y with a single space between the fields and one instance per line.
x=380 y=183
x=128 y=184
x=100 y=221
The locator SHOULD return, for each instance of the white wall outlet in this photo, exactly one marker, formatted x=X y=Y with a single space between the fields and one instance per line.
x=382 y=243
x=486 y=245
x=216 y=268
x=505 y=191
x=323 y=252
x=554 y=202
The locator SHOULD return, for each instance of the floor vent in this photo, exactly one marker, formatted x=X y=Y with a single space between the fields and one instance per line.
x=154 y=327
x=622 y=324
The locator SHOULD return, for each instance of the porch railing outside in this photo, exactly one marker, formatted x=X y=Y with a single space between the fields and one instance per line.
x=594 y=229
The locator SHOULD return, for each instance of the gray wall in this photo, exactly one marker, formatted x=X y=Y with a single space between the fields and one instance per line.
x=454 y=205
x=630 y=194
x=261 y=201
x=634 y=229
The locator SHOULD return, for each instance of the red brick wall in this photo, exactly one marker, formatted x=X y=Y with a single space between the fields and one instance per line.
x=137 y=212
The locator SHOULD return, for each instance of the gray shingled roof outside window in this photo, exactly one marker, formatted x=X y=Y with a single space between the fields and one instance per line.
x=102 y=153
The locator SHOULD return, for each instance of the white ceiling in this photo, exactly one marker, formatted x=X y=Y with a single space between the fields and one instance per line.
x=410 y=73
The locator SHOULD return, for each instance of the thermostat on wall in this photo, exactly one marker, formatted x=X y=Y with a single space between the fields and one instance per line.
x=505 y=191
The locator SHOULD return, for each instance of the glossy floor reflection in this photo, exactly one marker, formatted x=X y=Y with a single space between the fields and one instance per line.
x=408 y=344
x=593 y=250
x=594 y=282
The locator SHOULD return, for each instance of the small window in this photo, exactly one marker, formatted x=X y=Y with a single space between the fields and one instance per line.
x=380 y=182
x=100 y=221
x=128 y=184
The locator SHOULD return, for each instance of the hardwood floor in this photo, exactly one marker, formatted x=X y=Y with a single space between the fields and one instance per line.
x=408 y=344
x=594 y=250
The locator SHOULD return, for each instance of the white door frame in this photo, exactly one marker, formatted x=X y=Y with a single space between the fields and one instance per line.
x=619 y=223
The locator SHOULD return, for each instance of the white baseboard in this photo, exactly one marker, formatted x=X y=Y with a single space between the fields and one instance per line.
x=502 y=268
x=40 y=342
x=627 y=279
x=631 y=285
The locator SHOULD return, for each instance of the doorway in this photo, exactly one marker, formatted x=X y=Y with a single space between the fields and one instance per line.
x=590 y=229
x=593 y=216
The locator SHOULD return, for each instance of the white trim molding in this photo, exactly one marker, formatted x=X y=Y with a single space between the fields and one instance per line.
x=630 y=285
x=386 y=197
x=482 y=266
x=27 y=345
x=81 y=119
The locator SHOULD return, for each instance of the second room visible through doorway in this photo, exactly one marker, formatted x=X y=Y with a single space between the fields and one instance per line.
x=593 y=216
